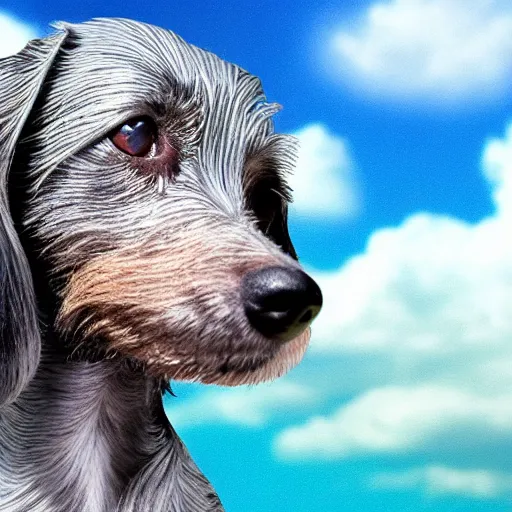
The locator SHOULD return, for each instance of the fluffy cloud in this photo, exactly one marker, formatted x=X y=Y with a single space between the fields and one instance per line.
x=445 y=50
x=429 y=301
x=439 y=480
x=14 y=35
x=434 y=284
x=395 y=420
x=323 y=183
x=247 y=406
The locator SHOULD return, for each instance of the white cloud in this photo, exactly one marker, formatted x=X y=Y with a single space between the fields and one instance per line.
x=247 y=406
x=395 y=420
x=443 y=50
x=439 y=480
x=323 y=183
x=14 y=35
x=431 y=302
x=434 y=284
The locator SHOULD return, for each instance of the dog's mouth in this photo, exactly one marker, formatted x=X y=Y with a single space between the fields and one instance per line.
x=225 y=327
x=271 y=334
x=230 y=353
x=262 y=363
x=266 y=368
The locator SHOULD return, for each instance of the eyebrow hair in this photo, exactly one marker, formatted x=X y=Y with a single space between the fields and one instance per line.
x=172 y=92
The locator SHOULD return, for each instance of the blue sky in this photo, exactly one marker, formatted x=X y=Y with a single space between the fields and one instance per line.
x=403 y=212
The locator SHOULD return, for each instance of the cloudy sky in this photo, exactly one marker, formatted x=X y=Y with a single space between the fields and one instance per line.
x=403 y=212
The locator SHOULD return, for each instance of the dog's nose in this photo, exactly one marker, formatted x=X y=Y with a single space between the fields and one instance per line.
x=280 y=302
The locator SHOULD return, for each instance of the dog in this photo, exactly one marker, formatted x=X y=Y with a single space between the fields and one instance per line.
x=143 y=239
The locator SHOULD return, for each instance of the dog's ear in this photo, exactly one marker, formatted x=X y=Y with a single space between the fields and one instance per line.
x=21 y=79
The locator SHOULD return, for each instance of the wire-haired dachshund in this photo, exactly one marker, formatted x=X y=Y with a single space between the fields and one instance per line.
x=143 y=238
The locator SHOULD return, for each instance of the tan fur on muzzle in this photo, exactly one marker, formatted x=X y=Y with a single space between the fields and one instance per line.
x=175 y=306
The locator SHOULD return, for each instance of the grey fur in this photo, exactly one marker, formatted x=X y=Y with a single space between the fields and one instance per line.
x=93 y=437
x=19 y=333
x=136 y=262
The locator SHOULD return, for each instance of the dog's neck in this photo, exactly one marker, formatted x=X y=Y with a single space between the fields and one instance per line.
x=93 y=437
x=86 y=426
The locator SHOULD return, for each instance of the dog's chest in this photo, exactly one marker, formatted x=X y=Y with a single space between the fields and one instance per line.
x=90 y=464
x=82 y=441
x=66 y=472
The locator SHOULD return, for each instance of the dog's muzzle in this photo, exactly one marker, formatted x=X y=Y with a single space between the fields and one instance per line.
x=280 y=302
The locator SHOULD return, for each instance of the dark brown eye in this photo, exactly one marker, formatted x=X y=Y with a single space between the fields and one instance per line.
x=135 y=137
x=265 y=203
x=268 y=201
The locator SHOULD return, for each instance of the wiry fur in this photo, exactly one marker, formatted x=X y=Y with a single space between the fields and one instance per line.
x=134 y=263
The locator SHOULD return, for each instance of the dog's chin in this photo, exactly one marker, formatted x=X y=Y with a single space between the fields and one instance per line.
x=230 y=353
x=234 y=369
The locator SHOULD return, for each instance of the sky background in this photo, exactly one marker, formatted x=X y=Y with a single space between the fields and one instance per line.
x=403 y=213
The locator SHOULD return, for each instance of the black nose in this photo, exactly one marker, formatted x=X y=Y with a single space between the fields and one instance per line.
x=280 y=302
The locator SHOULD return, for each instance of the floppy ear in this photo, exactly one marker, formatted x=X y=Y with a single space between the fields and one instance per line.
x=21 y=78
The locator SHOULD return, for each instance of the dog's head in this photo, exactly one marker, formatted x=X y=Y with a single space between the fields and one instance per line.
x=149 y=190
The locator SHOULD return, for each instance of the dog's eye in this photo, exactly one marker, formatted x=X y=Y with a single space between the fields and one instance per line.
x=135 y=137
x=268 y=201
x=265 y=202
